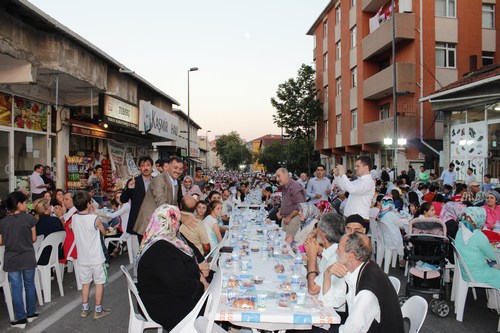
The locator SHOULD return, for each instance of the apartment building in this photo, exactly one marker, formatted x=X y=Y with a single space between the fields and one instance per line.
x=436 y=43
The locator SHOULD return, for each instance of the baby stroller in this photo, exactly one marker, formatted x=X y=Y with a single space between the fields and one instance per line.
x=426 y=247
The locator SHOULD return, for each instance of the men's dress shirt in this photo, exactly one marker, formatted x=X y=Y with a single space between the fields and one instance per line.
x=146 y=182
x=36 y=180
x=361 y=192
x=448 y=178
x=292 y=195
x=318 y=186
x=328 y=257
x=469 y=179
x=363 y=307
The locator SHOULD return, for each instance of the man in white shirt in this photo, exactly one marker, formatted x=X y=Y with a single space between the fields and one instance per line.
x=37 y=185
x=374 y=173
x=470 y=176
x=329 y=230
x=319 y=187
x=227 y=205
x=361 y=190
x=372 y=301
x=448 y=177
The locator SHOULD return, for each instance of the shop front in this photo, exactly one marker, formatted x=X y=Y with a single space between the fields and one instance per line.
x=25 y=140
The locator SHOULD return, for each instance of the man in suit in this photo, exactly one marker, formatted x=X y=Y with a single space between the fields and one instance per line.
x=164 y=189
x=135 y=191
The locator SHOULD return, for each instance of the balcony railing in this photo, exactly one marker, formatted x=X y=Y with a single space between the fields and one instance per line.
x=380 y=40
x=377 y=131
x=380 y=85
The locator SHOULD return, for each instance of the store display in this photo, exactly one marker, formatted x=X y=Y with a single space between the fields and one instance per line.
x=76 y=172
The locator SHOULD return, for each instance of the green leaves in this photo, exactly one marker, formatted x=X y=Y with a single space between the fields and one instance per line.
x=231 y=151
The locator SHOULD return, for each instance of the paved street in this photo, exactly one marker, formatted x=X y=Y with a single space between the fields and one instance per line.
x=62 y=315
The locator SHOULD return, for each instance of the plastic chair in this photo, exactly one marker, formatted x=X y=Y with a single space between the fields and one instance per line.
x=74 y=263
x=108 y=240
x=214 y=253
x=137 y=323
x=395 y=283
x=376 y=240
x=43 y=272
x=38 y=287
x=389 y=255
x=187 y=325
x=4 y=283
x=461 y=286
x=415 y=309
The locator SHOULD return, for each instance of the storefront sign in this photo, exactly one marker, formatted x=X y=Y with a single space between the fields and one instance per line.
x=118 y=112
x=5 y=109
x=87 y=131
x=157 y=121
x=30 y=115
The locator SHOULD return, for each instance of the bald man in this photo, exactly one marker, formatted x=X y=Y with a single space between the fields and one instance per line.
x=192 y=228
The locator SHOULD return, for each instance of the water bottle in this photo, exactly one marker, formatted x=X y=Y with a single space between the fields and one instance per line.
x=295 y=283
x=235 y=255
x=298 y=258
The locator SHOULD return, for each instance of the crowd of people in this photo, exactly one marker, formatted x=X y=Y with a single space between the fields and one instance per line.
x=165 y=216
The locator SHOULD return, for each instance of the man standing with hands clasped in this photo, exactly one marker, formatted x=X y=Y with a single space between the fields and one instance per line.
x=319 y=187
x=361 y=190
x=292 y=195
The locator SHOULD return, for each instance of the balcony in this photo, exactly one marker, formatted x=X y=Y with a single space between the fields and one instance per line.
x=376 y=131
x=381 y=39
x=380 y=85
x=373 y=5
x=325 y=111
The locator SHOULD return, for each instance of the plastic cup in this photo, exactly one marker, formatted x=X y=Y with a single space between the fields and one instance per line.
x=244 y=265
x=301 y=297
x=261 y=300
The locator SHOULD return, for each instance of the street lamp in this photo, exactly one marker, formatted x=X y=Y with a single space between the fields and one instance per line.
x=192 y=69
x=394 y=89
x=206 y=149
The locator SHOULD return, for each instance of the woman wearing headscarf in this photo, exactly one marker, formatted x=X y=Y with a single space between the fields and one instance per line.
x=308 y=215
x=492 y=209
x=190 y=188
x=169 y=279
x=474 y=247
x=388 y=217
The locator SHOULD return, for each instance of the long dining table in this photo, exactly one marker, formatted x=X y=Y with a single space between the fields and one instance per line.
x=264 y=281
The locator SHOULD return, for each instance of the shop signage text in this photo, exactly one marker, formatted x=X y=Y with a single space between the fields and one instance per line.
x=117 y=112
x=157 y=122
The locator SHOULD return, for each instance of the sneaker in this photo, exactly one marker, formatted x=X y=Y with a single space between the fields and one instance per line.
x=84 y=313
x=101 y=314
x=32 y=318
x=19 y=323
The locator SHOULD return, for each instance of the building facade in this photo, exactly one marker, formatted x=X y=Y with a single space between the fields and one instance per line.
x=436 y=42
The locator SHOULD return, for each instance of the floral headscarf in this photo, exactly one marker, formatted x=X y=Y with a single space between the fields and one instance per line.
x=452 y=211
x=163 y=225
x=387 y=206
x=324 y=206
x=310 y=212
x=477 y=215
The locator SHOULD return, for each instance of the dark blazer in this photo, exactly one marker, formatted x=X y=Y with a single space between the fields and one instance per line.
x=136 y=196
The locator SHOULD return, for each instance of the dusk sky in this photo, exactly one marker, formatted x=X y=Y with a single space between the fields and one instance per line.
x=243 y=49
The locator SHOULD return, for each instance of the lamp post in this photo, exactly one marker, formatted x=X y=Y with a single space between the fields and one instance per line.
x=192 y=69
x=206 y=149
x=394 y=90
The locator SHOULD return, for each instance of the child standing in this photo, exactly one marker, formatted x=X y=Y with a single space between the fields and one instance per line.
x=86 y=226
x=18 y=233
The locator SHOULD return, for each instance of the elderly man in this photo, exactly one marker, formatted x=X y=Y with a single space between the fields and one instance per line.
x=163 y=189
x=292 y=195
x=303 y=180
x=371 y=299
x=192 y=228
x=329 y=230
x=474 y=196
x=361 y=190
x=319 y=187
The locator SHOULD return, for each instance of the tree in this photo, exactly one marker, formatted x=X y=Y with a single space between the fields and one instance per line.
x=298 y=108
x=296 y=155
x=271 y=156
x=231 y=151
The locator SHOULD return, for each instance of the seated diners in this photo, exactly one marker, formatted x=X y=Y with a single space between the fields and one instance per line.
x=192 y=228
x=328 y=232
x=169 y=291
x=492 y=209
x=47 y=224
x=211 y=224
x=475 y=248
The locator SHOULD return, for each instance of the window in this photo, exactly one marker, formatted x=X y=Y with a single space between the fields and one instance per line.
x=446 y=8
x=354 y=77
x=338 y=50
x=353 y=37
x=353 y=3
x=440 y=116
x=339 y=86
x=325 y=28
x=337 y=14
x=326 y=129
x=488 y=58
x=354 y=119
x=339 y=124
x=325 y=61
x=384 y=64
x=445 y=55
x=383 y=111
x=488 y=16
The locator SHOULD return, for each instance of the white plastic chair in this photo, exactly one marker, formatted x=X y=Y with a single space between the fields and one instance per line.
x=4 y=283
x=376 y=240
x=137 y=323
x=108 y=240
x=461 y=286
x=389 y=255
x=395 y=283
x=415 y=309
x=38 y=287
x=43 y=272
x=74 y=263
